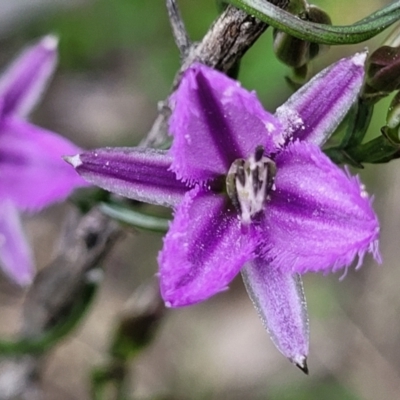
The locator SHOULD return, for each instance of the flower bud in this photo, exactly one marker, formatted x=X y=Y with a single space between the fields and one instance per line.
x=296 y=52
x=383 y=72
x=383 y=69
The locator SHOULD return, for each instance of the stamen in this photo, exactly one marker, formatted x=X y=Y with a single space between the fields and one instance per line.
x=240 y=172
x=249 y=183
x=259 y=153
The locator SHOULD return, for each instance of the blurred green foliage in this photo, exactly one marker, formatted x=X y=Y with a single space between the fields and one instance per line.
x=98 y=36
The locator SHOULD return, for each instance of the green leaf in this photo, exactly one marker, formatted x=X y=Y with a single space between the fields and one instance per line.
x=320 y=33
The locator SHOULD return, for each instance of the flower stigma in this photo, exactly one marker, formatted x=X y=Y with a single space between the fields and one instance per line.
x=249 y=183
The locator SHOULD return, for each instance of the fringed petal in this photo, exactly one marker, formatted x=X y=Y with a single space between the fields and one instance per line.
x=214 y=122
x=204 y=249
x=318 y=218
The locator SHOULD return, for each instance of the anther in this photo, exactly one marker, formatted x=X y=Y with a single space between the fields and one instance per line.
x=249 y=183
x=259 y=153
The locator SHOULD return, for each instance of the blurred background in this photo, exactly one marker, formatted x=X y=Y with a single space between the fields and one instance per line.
x=117 y=60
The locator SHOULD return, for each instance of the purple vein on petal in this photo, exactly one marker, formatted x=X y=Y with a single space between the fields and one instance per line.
x=137 y=173
x=213 y=112
x=197 y=123
x=318 y=218
x=315 y=110
x=223 y=133
x=217 y=225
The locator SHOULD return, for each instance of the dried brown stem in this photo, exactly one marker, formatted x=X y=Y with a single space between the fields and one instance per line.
x=84 y=243
x=227 y=40
x=178 y=28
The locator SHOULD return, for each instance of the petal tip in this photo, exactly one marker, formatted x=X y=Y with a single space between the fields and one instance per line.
x=50 y=42
x=75 y=161
x=301 y=363
x=24 y=280
x=168 y=304
x=359 y=58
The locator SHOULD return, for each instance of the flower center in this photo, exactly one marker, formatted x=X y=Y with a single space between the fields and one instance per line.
x=249 y=183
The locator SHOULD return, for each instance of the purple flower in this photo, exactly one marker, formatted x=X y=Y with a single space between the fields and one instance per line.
x=33 y=175
x=252 y=192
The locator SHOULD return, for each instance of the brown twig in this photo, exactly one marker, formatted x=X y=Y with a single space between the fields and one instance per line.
x=85 y=242
x=178 y=28
x=225 y=43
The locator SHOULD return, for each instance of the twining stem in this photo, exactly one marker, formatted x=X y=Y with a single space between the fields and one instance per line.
x=320 y=33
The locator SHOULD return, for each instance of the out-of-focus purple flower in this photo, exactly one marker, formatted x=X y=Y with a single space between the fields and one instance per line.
x=32 y=173
x=252 y=192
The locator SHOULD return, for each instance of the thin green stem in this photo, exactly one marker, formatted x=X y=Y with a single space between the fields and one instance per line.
x=135 y=218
